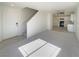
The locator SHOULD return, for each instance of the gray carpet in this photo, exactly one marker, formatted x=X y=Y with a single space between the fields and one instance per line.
x=66 y=41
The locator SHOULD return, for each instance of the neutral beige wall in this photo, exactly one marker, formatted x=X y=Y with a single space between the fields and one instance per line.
x=67 y=21
x=55 y=21
x=37 y=24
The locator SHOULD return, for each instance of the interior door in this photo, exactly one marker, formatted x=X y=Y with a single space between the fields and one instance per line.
x=9 y=22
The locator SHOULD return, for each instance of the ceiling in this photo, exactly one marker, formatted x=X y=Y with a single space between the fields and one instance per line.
x=44 y=6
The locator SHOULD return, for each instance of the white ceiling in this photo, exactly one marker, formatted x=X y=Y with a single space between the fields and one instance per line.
x=44 y=6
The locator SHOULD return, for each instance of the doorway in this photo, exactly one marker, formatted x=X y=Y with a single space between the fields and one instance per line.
x=60 y=22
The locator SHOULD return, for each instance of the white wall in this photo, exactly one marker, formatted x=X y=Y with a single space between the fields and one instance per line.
x=27 y=14
x=8 y=19
x=37 y=24
x=50 y=21
x=77 y=23
x=72 y=17
x=0 y=24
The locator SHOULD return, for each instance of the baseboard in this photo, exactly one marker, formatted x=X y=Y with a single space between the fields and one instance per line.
x=11 y=38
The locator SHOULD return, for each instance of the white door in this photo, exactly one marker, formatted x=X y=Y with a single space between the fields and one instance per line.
x=9 y=22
